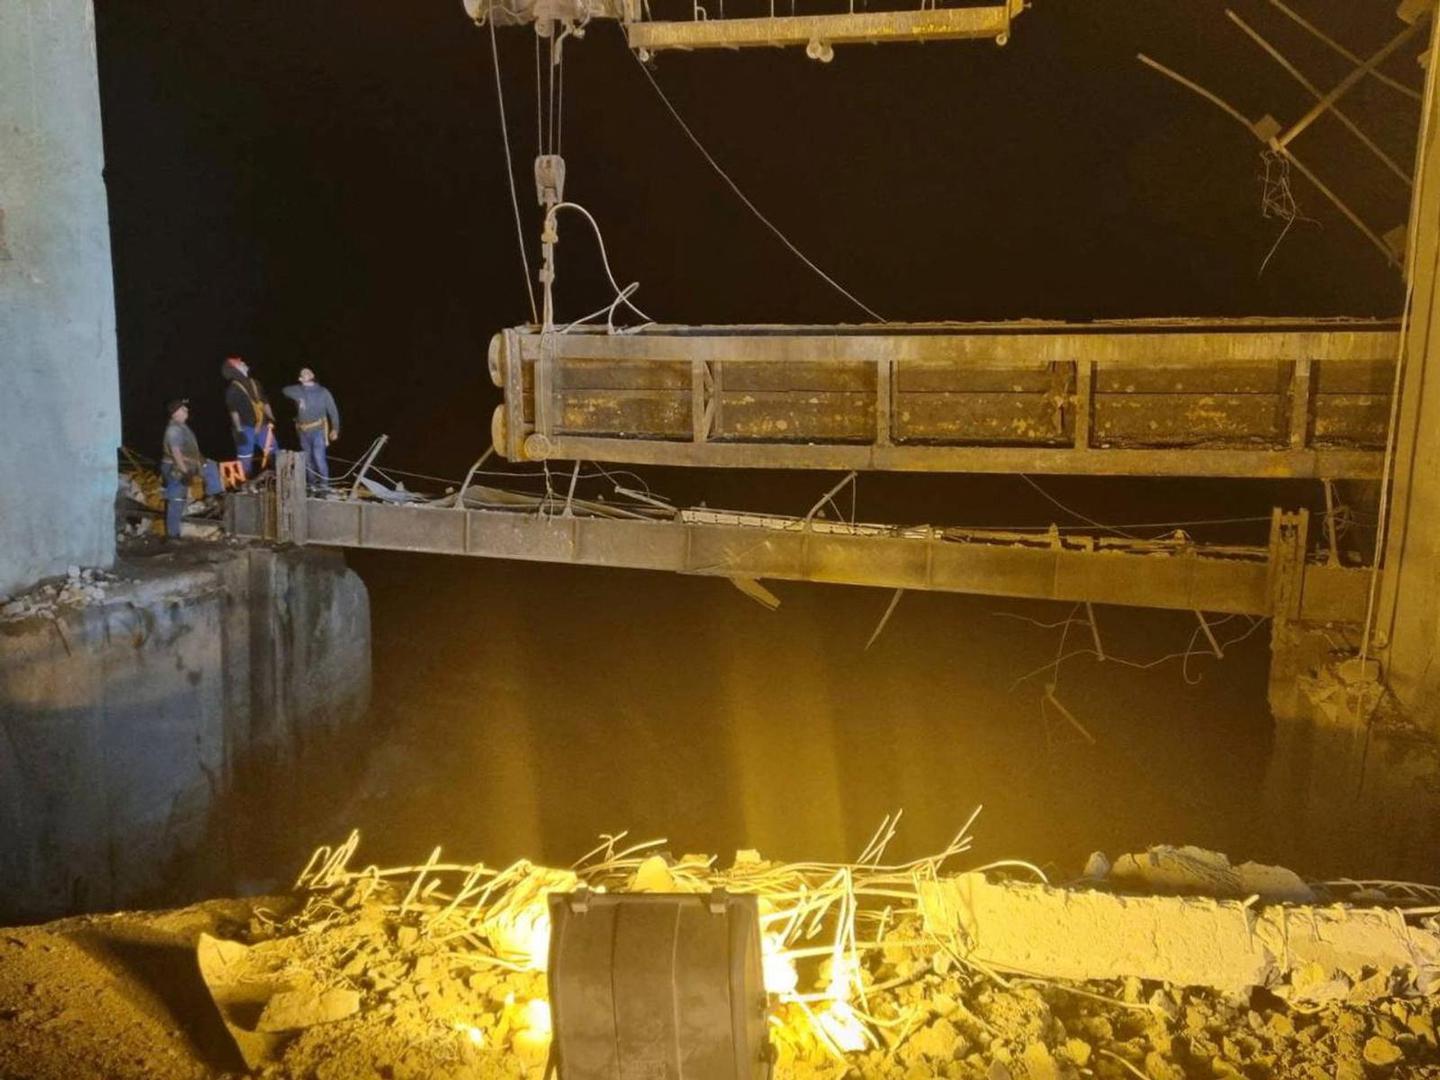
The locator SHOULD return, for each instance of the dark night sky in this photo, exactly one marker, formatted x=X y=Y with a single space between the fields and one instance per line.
x=322 y=182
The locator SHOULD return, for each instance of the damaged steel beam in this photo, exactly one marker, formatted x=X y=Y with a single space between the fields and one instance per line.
x=1241 y=398
x=1158 y=574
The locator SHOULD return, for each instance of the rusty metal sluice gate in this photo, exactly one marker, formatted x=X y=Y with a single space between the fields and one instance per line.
x=1233 y=398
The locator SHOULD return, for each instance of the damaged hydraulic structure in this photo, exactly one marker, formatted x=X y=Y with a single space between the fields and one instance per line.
x=1283 y=580
x=1238 y=398
x=1262 y=398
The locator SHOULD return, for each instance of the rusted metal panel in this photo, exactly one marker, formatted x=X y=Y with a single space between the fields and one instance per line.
x=654 y=414
x=1017 y=419
x=998 y=376
x=1267 y=377
x=1361 y=377
x=834 y=375
x=797 y=415
x=572 y=374
x=1351 y=419
x=1189 y=419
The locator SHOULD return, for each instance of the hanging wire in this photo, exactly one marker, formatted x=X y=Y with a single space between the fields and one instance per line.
x=622 y=296
x=551 y=105
x=510 y=174
x=750 y=205
x=1075 y=513
x=560 y=104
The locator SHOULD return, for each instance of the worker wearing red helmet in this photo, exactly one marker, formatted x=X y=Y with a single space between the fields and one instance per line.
x=252 y=422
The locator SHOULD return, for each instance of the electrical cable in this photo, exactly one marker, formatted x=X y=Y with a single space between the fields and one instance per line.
x=621 y=295
x=745 y=199
x=1076 y=514
x=510 y=175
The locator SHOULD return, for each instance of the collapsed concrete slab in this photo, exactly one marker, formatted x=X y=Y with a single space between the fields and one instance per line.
x=1303 y=952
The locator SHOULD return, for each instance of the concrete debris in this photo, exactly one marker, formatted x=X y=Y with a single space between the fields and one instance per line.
x=430 y=1008
x=79 y=588
x=1097 y=866
x=1382 y=1052
x=293 y=1010
x=1195 y=871
x=1301 y=953
x=653 y=876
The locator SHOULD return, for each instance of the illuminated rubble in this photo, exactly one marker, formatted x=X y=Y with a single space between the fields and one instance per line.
x=438 y=970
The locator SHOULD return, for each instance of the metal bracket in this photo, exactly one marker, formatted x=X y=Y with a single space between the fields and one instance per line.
x=550 y=179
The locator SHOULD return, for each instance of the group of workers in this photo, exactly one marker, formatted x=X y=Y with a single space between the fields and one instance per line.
x=252 y=423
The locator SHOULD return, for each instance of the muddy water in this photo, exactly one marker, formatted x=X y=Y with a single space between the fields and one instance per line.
x=526 y=709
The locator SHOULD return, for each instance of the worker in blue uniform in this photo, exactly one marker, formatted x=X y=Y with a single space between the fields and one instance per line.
x=318 y=423
x=180 y=462
x=251 y=420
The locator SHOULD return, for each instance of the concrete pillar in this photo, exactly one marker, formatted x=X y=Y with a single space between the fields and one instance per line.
x=1409 y=608
x=59 y=388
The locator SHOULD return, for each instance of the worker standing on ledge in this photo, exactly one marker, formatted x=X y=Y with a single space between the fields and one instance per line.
x=180 y=462
x=251 y=420
x=318 y=422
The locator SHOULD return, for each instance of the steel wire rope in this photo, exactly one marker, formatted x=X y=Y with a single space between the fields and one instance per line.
x=719 y=171
x=510 y=174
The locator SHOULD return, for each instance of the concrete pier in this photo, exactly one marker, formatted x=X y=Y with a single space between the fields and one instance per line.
x=125 y=722
x=60 y=406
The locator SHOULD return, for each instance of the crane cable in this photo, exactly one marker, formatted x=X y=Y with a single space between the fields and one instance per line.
x=752 y=207
x=510 y=174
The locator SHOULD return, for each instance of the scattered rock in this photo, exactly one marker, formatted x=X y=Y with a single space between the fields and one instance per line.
x=1079 y=1051
x=939 y=1041
x=292 y=1010
x=1382 y=1052
x=653 y=876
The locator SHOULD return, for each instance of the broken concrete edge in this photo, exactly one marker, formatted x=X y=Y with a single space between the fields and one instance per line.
x=125 y=723
x=1164 y=868
x=1300 y=952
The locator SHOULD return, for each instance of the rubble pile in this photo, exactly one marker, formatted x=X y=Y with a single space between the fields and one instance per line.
x=437 y=971
x=79 y=588
x=379 y=997
x=405 y=975
x=140 y=506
